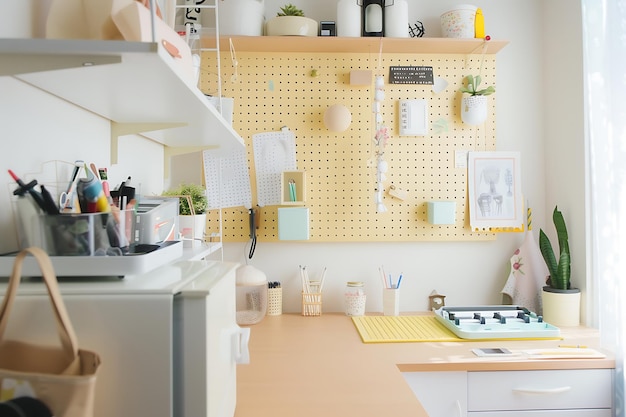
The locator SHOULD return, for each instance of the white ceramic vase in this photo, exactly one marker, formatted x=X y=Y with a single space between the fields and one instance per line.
x=348 y=18
x=192 y=229
x=474 y=110
x=561 y=307
x=397 y=19
x=241 y=17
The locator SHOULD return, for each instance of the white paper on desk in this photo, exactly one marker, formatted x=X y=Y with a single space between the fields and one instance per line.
x=227 y=179
x=274 y=152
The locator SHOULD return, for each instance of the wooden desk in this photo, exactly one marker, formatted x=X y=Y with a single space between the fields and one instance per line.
x=318 y=367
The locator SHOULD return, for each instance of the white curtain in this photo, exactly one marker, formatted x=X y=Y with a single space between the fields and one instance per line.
x=604 y=29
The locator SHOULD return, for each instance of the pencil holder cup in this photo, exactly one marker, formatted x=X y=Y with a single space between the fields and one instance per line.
x=391 y=301
x=88 y=234
x=274 y=301
x=311 y=303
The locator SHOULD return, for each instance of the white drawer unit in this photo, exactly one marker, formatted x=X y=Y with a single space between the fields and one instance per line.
x=539 y=390
x=536 y=393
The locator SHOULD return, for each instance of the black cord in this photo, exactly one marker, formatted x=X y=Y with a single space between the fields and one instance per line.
x=252 y=233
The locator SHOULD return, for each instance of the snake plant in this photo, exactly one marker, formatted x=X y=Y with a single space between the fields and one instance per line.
x=560 y=272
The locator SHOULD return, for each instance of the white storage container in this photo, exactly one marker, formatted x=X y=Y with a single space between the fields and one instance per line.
x=459 y=22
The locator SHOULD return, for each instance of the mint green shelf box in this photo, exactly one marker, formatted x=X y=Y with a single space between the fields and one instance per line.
x=441 y=212
x=293 y=223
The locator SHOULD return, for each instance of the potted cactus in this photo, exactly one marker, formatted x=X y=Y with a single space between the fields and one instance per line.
x=561 y=302
x=474 y=102
x=290 y=21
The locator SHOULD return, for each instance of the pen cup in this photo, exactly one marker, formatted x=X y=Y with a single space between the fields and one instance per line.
x=88 y=234
x=275 y=301
x=391 y=301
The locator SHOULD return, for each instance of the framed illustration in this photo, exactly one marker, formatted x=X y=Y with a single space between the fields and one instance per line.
x=495 y=190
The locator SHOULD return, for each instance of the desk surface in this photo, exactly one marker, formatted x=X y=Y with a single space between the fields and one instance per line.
x=318 y=366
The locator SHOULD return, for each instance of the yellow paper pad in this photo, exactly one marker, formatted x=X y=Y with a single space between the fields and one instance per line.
x=395 y=329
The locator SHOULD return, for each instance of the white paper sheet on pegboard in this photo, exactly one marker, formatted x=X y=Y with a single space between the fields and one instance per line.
x=227 y=179
x=274 y=152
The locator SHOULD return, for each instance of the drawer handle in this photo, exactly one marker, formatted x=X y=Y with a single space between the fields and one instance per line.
x=542 y=391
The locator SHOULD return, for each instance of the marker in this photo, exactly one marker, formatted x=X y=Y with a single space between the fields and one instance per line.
x=28 y=188
x=51 y=207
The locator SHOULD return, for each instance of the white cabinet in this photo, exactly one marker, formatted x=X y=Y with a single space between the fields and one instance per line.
x=537 y=393
x=442 y=394
x=138 y=86
x=168 y=339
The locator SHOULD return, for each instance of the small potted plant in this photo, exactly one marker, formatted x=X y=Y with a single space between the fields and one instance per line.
x=561 y=303
x=290 y=21
x=474 y=103
x=192 y=209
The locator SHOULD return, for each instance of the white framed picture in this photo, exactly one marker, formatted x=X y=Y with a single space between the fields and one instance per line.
x=495 y=190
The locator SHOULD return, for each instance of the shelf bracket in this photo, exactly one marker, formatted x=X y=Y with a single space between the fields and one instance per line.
x=123 y=129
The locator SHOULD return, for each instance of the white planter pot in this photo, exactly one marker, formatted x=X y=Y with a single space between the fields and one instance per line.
x=192 y=229
x=561 y=307
x=291 y=26
x=241 y=17
x=474 y=110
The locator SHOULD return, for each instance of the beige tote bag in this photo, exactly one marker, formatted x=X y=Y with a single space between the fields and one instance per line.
x=62 y=377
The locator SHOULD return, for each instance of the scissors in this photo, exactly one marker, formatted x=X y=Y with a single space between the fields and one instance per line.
x=67 y=198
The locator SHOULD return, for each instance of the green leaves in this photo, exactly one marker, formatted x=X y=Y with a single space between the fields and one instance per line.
x=471 y=87
x=290 y=10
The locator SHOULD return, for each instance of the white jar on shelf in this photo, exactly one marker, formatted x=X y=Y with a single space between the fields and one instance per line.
x=348 y=18
x=397 y=19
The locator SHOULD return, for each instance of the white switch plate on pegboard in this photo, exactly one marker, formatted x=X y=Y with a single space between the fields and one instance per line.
x=413 y=117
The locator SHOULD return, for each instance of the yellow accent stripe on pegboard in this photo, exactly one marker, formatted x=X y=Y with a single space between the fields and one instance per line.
x=394 y=329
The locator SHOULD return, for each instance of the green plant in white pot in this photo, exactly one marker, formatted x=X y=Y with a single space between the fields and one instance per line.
x=474 y=101
x=290 y=21
x=192 y=209
x=561 y=302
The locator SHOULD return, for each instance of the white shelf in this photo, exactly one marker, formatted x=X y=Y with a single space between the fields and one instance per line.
x=136 y=85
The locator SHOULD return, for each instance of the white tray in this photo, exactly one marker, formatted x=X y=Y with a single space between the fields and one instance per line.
x=92 y=266
x=536 y=329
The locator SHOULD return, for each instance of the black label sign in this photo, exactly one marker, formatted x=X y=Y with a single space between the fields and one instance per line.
x=411 y=75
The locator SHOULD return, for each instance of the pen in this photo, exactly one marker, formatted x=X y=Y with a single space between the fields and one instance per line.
x=28 y=188
x=51 y=207
x=399 y=281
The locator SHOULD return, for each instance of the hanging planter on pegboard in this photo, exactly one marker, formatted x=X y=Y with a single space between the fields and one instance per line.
x=474 y=106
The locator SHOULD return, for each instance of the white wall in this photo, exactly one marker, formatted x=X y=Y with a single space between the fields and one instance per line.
x=40 y=127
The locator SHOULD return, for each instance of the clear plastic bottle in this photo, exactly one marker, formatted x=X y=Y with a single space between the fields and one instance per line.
x=355 y=298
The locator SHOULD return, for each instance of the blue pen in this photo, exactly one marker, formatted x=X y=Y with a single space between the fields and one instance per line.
x=399 y=281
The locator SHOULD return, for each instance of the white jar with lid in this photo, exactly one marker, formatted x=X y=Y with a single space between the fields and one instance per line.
x=355 y=298
x=251 y=292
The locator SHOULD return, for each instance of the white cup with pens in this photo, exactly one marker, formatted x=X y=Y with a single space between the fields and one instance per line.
x=391 y=295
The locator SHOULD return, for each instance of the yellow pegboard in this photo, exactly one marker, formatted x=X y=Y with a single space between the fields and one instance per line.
x=272 y=90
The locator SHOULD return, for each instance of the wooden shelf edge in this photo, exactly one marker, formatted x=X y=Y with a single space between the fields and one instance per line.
x=357 y=45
